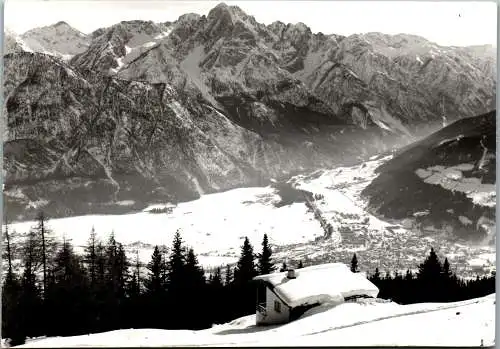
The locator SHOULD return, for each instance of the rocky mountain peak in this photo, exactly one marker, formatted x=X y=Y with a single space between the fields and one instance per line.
x=59 y=28
x=223 y=9
x=224 y=15
x=59 y=39
x=188 y=18
x=62 y=24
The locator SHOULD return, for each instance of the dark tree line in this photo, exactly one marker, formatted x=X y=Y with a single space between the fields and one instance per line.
x=433 y=282
x=61 y=293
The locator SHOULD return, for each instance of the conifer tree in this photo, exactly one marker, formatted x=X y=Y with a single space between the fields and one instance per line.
x=196 y=294
x=375 y=278
x=122 y=270
x=155 y=289
x=30 y=300
x=7 y=253
x=431 y=268
x=101 y=264
x=116 y=277
x=265 y=264
x=216 y=279
x=67 y=293
x=354 y=264
x=135 y=284
x=446 y=269
x=429 y=277
x=155 y=284
x=176 y=284
x=45 y=245
x=448 y=292
x=193 y=271
x=245 y=270
x=176 y=264
x=90 y=256
x=229 y=276
x=216 y=296
x=11 y=290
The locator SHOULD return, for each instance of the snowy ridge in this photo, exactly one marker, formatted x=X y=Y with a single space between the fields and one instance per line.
x=466 y=323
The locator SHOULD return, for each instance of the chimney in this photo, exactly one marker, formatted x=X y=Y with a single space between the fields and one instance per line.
x=291 y=274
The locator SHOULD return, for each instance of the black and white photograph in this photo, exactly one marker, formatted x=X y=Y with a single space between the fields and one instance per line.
x=248 y=173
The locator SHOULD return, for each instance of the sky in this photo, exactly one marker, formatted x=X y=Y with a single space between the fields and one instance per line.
x=446 y=23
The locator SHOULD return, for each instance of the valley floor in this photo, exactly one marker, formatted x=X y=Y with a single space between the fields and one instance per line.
x=466 y=323
x=216 y=224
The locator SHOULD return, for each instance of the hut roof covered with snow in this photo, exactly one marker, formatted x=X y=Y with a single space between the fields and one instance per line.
x=332 y=282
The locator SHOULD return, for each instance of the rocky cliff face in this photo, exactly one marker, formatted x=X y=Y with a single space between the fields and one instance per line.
x=158 y=111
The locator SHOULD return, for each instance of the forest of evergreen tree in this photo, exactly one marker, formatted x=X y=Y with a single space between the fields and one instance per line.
x=61 y=293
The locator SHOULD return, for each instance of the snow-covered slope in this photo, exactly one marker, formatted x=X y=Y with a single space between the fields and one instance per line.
x=467 y=323
x=214 y=225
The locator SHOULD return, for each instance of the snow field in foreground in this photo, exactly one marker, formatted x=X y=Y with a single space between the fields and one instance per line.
x=428 y=324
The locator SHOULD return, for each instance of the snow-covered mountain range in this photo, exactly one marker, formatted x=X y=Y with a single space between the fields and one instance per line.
x=144 y=112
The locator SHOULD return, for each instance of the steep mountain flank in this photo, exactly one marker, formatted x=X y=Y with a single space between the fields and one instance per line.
x=79 y=144
x=444 y=182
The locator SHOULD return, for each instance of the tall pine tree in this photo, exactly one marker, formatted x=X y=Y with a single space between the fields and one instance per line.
x=196 y=294
x=245 y=269
x=265 y=264
x=155 y=284
x=244 y=272
x=155 y=289
x=45 y=244
x=67 y=294
x=176 y=266
x=30 y=299
x=354 y=264
x=228 y=279
x=90 y=257
x=11 y=290
x=429 y=278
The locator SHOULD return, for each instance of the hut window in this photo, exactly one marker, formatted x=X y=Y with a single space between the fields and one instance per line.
x=277 y=306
